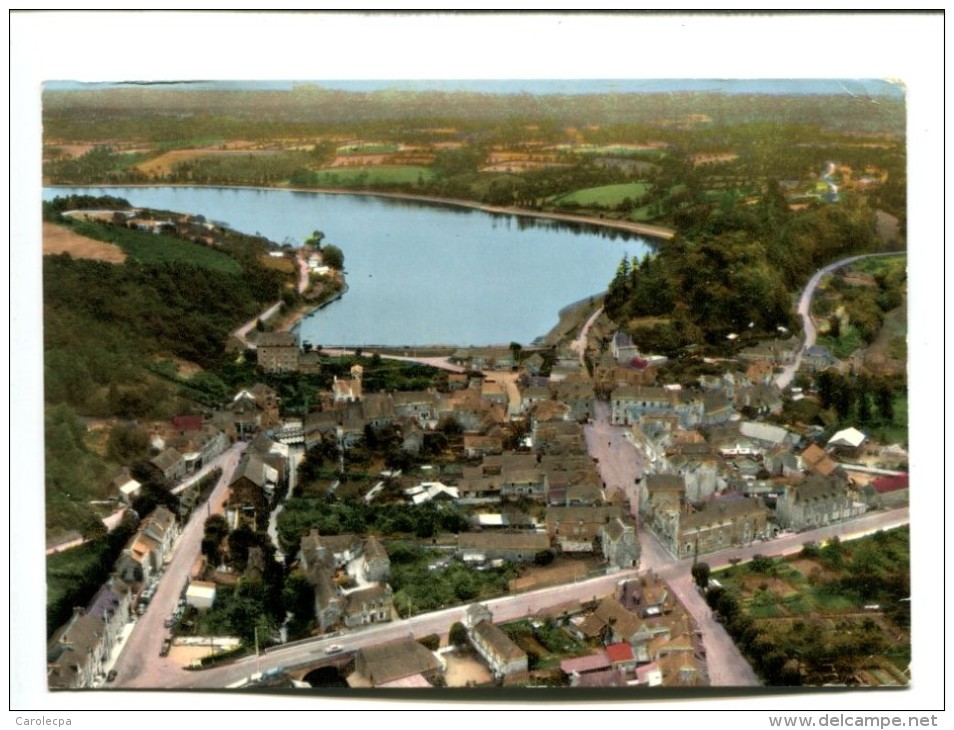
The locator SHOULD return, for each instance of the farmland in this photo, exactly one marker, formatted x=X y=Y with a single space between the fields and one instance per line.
x=835 y=613
x=148 y=248
x=604 y=196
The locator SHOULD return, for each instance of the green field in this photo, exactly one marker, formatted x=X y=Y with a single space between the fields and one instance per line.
x=149 y=248
x=605 y=196
x=362 y=176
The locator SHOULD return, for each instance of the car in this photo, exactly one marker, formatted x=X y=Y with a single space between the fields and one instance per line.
x=168 y=622
x=166 y=645
x=111 y=676
x=334 y=649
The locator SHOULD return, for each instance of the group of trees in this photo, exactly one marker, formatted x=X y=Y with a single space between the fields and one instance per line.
x=862 y=399
x=735 y=271
x=335 y=517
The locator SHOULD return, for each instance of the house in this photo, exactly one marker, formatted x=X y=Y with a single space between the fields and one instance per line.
x=817 y=358
x=277 y=352
x=502 y=655
x=578 y=394
x=659 y=489
x=382 y=664
x=766 y=435
x=76 y=654
x=253 y=482
x=348 y=391
x=421 y=406
x=649 y=675
x=619 y=543
x=781 y=461
x=815 y=502
x=717 y=409
x=78 y=651
x=251 y=410
x=702 y=471
x=817 y=461
x=376 y=565
x=147 y=551
x=719 y=524
x=630 y=404
x=520 y=546
x=887 y=491
x=530 y=396
x=759 y=398
x=623 y=348
x=127 y=487
x=169 y=466
x=494 y=392
x=370 y=605
x=578 y=529
x=621 y=656
x=477 y=445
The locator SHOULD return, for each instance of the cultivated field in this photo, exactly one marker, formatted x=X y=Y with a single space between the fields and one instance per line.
x=57 y=239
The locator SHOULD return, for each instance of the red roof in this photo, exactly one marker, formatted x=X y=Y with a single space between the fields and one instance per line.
x=893 y=483
x=187 y=423
x=621 y=652
x=588 y=663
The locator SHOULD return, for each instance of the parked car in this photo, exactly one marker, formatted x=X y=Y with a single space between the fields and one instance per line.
x=111 y=676
x=166 y=645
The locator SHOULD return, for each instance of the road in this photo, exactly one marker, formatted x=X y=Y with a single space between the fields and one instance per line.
x=442 y=363
x=139 y=663
x=579 y=344
x=785 y=377
x=507 y=608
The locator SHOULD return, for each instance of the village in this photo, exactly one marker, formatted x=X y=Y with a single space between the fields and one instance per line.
x=514 y=458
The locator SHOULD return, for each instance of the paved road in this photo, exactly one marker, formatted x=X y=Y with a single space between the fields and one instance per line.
x=139 y=663
x=620 y=463
x=785 y=377
x=507 y=608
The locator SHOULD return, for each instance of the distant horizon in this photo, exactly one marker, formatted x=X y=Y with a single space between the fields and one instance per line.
x=572 y=87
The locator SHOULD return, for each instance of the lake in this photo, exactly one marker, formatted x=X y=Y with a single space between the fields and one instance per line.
x=418 y=273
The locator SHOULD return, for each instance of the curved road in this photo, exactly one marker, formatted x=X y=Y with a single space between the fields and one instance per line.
x=805 y=312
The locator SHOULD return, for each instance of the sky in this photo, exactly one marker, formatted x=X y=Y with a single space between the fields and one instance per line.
x=858 y=87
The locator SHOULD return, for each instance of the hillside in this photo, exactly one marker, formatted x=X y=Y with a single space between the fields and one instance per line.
x=107 y=328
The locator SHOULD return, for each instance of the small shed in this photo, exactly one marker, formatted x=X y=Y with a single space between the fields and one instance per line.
x=200 y=594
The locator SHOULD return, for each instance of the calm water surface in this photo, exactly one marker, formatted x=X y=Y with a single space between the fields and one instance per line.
x=418 y=273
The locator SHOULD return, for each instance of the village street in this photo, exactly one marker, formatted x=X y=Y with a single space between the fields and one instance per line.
x=139 y=663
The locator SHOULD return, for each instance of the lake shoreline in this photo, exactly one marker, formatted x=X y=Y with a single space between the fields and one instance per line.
x=293 y=320
x=643 y=229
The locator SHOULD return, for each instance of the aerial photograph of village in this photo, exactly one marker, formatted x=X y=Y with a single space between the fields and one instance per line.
x=476 y=386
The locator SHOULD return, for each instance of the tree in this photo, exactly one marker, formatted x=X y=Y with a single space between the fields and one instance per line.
x=431 y=641
x=127 y=442
x=315 y=239
x=700 y=573
x=94 y=529
x=333 y=256
x=458 y=635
